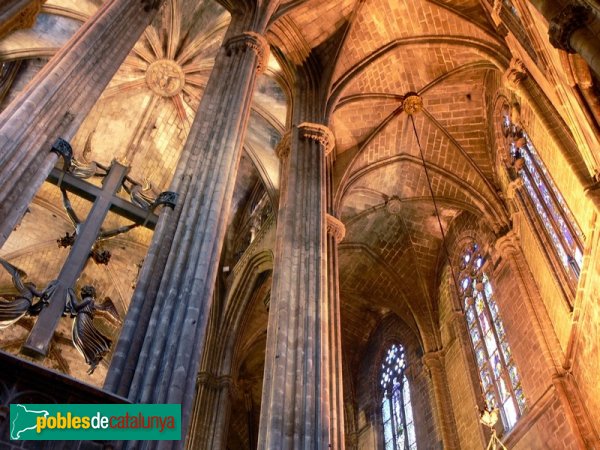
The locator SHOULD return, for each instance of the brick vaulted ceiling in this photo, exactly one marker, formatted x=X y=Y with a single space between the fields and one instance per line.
x=374 y=52
x=444 y=50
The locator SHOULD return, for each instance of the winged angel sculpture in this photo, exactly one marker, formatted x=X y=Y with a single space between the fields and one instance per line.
x=90 y=341
x=20 y=301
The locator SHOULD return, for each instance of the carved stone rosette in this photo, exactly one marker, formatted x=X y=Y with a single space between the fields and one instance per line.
x=393 y=206
x=413 y=103
x=570 y=19
x=318 y=133
x=515 y=74
x=335 y=228
x=255 y=42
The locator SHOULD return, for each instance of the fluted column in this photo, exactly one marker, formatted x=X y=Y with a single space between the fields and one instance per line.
x=210 y=416
x=295 y=400
x=434 y=361
x=163 y=336
x=335 y=233
x=59 y=98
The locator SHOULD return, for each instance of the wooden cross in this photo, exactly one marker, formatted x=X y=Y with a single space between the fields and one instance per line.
x=105 y=200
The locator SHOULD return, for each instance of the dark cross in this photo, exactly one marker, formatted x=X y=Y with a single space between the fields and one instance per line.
x=105 y=200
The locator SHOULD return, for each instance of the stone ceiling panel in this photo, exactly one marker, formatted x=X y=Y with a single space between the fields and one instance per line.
x=380 y=22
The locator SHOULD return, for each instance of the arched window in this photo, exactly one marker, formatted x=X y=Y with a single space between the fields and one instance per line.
x=497 y=370
x=398 y=424
x=546 y=200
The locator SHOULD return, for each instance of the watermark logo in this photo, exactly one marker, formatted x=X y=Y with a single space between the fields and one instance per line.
x=95 y=422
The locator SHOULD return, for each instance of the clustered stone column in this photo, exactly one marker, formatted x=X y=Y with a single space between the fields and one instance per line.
x=208 y=427
x=58 y=100
x=335 y=234
x=295 y=402
x=163 y=336
x=434 y=361
x=573 y=27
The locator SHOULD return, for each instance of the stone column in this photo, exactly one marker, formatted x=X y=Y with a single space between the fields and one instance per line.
x=571 y=28
x=163 y=336
x=335 y=233
x=295 y=399
x=17 y=14
x=434 y=361
x=59 y=98
x=211 y=412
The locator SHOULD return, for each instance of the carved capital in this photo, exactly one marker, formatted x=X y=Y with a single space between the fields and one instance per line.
x=393 y=206
x=506 y=246
x=434 y=361
x=335 y=228
x=562 y=26
x=283 y=148
x=515 y=74
x=319 y=133
x=252 y=41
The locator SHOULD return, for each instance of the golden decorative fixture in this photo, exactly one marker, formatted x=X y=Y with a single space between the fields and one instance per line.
x=413 y=103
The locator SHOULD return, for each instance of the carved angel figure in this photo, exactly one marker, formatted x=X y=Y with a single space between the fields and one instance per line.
x=16 y=305
x=90 y=342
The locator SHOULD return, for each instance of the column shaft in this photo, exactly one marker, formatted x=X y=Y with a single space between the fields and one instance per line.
x=59 y=98
x=435 y=363
x=336 y=232
x=162 y=339
x=295 y=410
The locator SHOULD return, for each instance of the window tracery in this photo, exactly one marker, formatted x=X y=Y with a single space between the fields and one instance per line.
x=398 y=423
x=498 y=373
x=547 y=202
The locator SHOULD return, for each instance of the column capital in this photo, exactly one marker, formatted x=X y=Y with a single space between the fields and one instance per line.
x=319 y=133
x=249 y=40
x=434 y=360
x=335 y=228
x=515 y=74
x=562 y=26
x=283 y=148
x=507 y=245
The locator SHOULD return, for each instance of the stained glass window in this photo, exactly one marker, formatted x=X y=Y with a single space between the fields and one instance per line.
x=396 y=409
x=554 y=214
x=497 y=370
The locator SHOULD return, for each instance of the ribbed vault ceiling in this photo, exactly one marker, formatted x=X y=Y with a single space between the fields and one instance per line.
x=374 y=51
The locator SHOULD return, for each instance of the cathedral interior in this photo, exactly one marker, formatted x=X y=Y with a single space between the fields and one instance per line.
x=315 y=224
